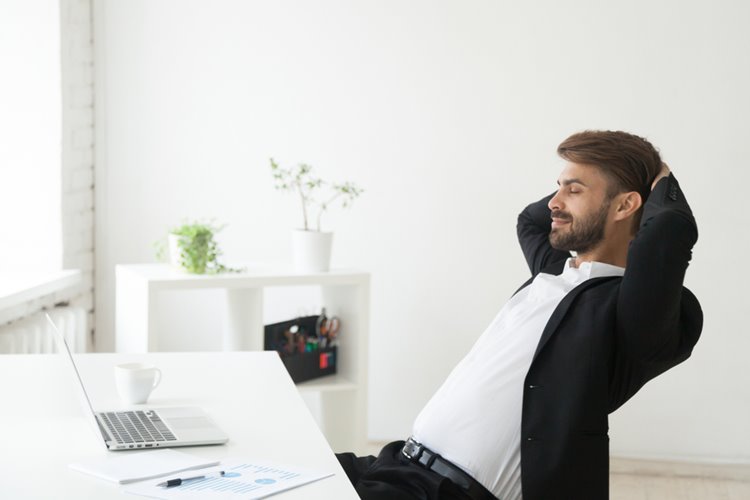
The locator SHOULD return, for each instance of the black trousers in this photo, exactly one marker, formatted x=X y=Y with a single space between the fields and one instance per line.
x=390 y=476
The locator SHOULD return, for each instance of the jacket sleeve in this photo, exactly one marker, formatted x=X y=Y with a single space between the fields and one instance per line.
x=533 y=227
x=658 y=320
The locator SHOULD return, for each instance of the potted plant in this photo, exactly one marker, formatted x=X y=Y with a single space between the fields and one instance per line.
x=193 y=249
x=311 y=248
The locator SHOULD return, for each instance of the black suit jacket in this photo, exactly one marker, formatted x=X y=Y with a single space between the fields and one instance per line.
x=605 y=340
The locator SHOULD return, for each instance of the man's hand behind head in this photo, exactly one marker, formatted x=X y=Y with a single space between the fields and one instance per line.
x=664 y=172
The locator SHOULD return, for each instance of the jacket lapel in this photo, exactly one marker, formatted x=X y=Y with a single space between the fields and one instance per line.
x=562 y=309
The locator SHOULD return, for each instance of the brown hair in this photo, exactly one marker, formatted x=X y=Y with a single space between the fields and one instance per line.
x=631 y=163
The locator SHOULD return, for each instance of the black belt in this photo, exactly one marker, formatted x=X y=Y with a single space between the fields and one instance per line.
x=430 y=460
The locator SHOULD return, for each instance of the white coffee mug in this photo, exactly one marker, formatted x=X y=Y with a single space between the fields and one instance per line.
x=135 y=381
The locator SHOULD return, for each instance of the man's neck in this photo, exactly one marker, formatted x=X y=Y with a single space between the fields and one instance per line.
x=615 y=256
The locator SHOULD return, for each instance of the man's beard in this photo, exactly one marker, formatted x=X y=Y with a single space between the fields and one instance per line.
x=582 y=234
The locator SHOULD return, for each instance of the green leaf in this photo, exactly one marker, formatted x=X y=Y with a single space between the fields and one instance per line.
x=199 y=251
x=301 y=180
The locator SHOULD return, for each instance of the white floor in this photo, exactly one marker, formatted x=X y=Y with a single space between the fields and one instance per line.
x=631 y=479
x=649 y=480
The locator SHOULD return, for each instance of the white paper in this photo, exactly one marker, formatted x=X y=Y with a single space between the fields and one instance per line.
x=130 y=466
x=243 y=479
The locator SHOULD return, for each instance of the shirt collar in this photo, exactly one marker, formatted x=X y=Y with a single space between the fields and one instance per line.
x=592 y=269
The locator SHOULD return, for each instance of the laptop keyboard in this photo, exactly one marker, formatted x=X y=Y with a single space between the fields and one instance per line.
x=131 y=427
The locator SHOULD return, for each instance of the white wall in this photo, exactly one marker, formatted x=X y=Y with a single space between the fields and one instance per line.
x=449 y=114
x=77 y=179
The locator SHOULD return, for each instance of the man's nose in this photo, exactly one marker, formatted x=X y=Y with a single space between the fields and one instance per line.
x=555 y=203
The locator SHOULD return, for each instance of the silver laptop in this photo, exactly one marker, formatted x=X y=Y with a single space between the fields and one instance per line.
x=143 y=428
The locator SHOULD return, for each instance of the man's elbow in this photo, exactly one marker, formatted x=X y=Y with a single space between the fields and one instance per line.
x=670 y=341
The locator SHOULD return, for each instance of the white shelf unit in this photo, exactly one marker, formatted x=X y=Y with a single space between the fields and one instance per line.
x=338 y=402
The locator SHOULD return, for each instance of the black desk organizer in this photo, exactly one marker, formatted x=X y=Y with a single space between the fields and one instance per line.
x=306 y=365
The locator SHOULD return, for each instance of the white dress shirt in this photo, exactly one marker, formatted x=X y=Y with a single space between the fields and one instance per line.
x=474 y=419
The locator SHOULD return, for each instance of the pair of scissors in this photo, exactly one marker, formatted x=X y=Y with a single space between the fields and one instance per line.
x=291 y=339
x=327 y=329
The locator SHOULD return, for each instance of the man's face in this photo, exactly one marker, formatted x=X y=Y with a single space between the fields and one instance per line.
x=580 y=209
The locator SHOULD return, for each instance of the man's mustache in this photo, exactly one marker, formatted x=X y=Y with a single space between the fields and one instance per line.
x=559 y=214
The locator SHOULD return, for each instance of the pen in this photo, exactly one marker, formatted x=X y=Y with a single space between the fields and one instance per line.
x=178 y=481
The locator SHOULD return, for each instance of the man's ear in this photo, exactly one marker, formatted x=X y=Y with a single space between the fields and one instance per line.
x=627 y=204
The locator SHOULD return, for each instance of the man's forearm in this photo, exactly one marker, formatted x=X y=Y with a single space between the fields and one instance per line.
x=651 y=293
x=533 y=228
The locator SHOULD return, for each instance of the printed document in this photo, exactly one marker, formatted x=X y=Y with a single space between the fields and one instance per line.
x=132 y=466
x=242 y=479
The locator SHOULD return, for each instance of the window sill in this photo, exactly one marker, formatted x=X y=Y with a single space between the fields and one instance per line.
x=23 y=288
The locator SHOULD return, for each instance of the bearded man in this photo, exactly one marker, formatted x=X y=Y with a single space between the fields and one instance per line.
x=524 y=414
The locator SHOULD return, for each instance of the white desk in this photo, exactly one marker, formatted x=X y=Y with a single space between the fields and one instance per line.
x=248 y=394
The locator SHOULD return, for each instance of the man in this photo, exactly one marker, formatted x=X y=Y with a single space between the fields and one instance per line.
x=524 y=415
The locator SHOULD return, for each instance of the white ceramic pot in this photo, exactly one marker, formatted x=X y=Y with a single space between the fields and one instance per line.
x=174 y=250
x=175 y=254
x=311 y=250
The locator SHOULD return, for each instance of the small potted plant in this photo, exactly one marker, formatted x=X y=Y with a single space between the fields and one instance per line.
x=311 y=248
x=193 y=249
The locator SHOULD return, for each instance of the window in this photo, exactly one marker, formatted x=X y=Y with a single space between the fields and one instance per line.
x=30 y=136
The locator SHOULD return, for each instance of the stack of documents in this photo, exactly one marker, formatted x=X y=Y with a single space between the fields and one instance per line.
x=241 y=479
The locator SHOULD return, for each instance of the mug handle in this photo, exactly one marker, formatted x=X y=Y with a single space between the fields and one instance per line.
x=158 y=379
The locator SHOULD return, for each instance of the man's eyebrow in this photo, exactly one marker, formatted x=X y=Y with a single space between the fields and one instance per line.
x=568 y=182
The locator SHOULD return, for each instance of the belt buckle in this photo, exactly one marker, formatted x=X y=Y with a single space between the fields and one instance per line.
x=411 y=450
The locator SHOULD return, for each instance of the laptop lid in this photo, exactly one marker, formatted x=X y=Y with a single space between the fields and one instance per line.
x=62 y=348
